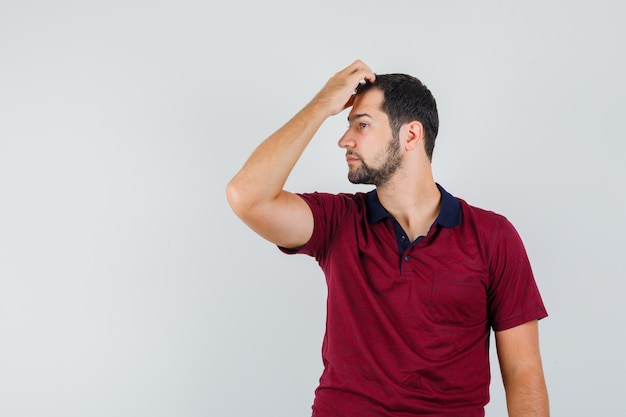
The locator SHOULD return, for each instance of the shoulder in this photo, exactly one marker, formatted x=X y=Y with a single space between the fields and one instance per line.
x=481 y=217
x=493 y=230
x=328 y=202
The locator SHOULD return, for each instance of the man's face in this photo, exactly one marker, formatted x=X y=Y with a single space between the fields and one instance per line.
x=372 y=151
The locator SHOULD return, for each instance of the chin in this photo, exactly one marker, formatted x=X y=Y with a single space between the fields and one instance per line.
x=360 y=181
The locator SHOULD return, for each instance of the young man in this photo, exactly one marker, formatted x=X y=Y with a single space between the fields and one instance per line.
x=416 y=277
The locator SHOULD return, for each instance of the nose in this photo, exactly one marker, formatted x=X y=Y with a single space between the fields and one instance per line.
x=346 y=141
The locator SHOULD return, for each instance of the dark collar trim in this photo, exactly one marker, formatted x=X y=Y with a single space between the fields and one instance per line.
x=449 y=215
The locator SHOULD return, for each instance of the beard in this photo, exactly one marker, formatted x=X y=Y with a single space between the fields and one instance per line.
x=366 y=174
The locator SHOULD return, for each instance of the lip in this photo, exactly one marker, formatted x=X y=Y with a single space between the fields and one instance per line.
x=351 y=158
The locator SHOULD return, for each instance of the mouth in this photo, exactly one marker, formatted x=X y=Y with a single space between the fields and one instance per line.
x=351 y=158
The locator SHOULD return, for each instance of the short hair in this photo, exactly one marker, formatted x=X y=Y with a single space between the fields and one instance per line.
x=407 y=99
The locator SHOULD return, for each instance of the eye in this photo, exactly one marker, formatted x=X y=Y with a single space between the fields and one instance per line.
x=359 y=125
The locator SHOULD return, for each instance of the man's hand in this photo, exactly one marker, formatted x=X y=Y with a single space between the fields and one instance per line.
x=338 y=93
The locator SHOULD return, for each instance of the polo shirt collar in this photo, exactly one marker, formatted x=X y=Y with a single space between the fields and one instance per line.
x=449 y=214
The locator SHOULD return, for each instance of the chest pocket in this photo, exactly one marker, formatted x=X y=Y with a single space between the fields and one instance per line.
x=458 y=300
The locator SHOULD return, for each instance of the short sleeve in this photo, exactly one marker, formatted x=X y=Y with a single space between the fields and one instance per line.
x=329 y=213
x=513 y=295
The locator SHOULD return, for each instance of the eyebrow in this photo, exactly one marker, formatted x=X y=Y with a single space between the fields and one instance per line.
x=358 y=116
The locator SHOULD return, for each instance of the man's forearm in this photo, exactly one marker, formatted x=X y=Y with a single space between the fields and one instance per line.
x=526 y=394
x=265 y=172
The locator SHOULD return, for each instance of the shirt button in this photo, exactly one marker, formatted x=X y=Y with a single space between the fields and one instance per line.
x=403 y=238
x=407 y=258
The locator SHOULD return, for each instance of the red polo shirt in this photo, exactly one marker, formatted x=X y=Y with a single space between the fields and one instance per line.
x=407 y=327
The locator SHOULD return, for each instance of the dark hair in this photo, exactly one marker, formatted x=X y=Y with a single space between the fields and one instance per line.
x=407 y=99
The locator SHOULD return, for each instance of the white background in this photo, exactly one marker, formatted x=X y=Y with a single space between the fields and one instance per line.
x=128 y=288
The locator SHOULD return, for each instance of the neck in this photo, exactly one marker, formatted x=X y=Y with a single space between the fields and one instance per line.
x=413 y=200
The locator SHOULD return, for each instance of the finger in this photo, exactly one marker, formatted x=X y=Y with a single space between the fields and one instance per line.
x=358 y=67
x=350 y=102
x=362 y=71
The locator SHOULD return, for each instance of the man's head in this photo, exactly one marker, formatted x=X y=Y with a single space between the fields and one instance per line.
x=407 y=99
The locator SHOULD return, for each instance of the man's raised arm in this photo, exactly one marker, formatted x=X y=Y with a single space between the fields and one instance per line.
x=256 y=193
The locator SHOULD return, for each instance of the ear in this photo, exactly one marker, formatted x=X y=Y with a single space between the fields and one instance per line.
x=414 y=133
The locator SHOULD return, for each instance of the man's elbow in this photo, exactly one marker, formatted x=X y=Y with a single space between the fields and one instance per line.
x=245 y=202
x=236 y=197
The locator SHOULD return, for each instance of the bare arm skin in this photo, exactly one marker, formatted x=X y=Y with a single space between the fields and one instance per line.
x=256 y=192
x=522 y=371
